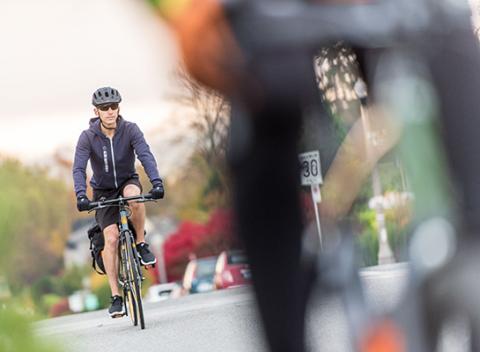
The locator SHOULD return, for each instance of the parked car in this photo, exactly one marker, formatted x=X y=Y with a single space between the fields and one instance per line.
x=232 y=270
x=198 y=276
x=160 y=292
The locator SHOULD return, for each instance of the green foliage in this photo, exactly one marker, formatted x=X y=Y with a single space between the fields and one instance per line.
x=71 y=280
x=41 y=287
x=214 y=183
x=49 y=300
x=16 y=334
x=196 y=192
x=57 y=287
x=390 y=176
x=361 y=202
x=398 y=221
x=154 y=2
x=368 y=244
x=398 y=239
x=367 y=219
x=35 y=217
x=368 y=239
x=103 y=294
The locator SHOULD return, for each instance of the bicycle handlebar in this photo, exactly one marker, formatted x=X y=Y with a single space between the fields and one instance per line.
x=142 y=198
x=269 y=23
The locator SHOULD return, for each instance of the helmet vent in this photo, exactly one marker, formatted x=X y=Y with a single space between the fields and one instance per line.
x=106 y=95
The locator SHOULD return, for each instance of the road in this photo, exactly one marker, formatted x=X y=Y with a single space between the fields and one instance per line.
x=218 y=321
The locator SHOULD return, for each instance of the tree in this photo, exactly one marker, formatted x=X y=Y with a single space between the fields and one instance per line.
x=35 y=216
x=336 y=72
x=17 y=334
x=211 y=120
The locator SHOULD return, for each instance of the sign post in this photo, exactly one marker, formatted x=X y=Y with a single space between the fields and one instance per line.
x=311 y=175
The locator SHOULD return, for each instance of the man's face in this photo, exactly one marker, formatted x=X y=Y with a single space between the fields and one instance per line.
x=108 y=114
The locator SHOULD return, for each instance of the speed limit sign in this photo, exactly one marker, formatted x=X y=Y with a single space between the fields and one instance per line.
x=311 y=173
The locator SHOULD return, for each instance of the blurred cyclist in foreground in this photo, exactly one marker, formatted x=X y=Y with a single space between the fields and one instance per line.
x=268 y=92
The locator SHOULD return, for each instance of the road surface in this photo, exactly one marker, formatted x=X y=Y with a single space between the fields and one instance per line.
x=214 y=322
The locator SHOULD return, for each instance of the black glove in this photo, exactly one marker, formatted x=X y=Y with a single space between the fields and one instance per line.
x=83 y=203
x=157 y=191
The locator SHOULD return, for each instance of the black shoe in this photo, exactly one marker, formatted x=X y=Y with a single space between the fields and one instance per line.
x=117 y=309
x=145 y=255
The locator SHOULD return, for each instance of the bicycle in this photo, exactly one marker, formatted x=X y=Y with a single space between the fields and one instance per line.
x=130 y=269
x=279 y=40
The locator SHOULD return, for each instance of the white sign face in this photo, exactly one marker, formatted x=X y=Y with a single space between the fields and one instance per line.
x=311 y=173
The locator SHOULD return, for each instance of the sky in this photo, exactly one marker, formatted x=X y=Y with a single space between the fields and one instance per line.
x=55 y=53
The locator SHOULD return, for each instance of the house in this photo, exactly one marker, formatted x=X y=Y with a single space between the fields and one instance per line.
x=77 y=249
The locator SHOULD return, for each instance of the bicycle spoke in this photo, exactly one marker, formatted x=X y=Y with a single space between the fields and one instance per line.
x=129 y=295
x=134 y=282
x=136 y=286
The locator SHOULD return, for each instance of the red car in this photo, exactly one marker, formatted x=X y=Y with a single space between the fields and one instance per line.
x=231 y=270
x=198 y=276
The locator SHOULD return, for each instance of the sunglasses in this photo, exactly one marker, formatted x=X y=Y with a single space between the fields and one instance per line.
x=113 y=106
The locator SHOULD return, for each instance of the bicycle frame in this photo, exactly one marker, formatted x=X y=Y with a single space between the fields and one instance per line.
x=123 y=225
x=126 y=238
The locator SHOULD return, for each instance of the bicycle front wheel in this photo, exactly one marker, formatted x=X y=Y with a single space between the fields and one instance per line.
x=135 y=283
x=129 y=297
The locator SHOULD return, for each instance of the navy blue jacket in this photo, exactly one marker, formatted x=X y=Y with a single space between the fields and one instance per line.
x=112 y=160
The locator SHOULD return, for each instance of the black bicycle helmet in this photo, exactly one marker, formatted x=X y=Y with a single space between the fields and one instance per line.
x=106 y=95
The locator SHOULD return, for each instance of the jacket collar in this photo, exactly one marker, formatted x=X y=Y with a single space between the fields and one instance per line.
x=95 y=125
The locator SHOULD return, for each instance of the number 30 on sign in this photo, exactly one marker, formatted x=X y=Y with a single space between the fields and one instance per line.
x=311 y=173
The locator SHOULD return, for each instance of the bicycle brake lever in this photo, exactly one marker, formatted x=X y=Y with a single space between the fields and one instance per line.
x=96 y=208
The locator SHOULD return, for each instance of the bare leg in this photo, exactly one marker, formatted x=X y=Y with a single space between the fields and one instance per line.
x=138 y=212
x=340 y=188
x=110 y=257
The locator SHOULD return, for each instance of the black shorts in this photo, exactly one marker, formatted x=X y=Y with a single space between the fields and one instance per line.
x=108 y=216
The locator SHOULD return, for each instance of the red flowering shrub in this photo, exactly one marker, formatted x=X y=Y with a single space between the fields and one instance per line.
x=200 y=240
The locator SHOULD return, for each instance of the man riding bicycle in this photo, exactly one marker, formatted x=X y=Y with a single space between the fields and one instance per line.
x=110 y=143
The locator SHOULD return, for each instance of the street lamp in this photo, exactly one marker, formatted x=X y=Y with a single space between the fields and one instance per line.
x=385 y=254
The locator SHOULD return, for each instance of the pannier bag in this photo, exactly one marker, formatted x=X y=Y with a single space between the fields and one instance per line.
x=97 y=243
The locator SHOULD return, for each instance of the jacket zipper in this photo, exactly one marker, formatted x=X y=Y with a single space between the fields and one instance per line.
x=113 y=162
x=105 y=159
